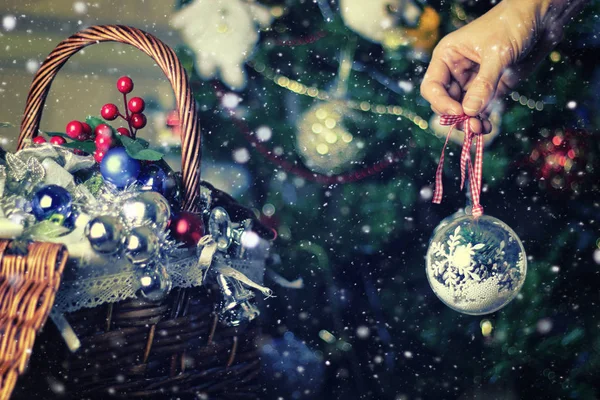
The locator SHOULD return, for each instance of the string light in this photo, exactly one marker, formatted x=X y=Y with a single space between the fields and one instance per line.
x=316 y=93
x=524 y=101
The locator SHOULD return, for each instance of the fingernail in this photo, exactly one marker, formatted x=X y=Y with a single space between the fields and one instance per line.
x=472 y=104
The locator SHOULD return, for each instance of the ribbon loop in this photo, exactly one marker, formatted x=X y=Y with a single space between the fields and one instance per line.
x=475 y=171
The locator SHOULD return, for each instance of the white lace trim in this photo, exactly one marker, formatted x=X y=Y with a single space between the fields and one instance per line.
x=116 y=280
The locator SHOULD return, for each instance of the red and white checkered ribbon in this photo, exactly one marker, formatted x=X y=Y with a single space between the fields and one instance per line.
x=465 y=162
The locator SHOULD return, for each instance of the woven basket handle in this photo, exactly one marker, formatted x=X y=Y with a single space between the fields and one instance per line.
x=166 y=59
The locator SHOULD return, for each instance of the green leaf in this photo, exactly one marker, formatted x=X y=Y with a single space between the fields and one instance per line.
x=50 y=134
x=137 y=149
x=143 y=142
x=46 y=230
x=93 y=122
x=148 y=155
x=88 y=146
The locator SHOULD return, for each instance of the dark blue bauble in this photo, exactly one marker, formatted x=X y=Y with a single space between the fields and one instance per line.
x=153 y=178
x=173 y=190
x=119 y=168
x=50 y=200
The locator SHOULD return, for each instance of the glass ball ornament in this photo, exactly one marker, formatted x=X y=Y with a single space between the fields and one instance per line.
x=187 y=228
x=142 y=245
x=50 y=200
x=219 y=227
x=155 y=283
x=153 y=178
x=475 y=266
x=106 y=234
x=147 y=207
x=323 y=139
x=118 y=168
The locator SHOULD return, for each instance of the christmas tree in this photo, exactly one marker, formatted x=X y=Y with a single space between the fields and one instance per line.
x=324 y=114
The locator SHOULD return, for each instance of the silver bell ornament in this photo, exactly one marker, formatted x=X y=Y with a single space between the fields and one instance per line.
x=142 y=245
x=219 y=227
x=106 y=234
x=235 y=307
x=475 y=265
x=155 y=283
x=147 y=207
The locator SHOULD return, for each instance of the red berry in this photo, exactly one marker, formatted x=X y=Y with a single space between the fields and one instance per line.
x=87 y=129
x=58 y=140
x=125 y=84
x=138 y=121
x=74 y=129
x=103 y=142
x=99 y=155
x=104 y=130
x=124 y=132
x=136 y=105
x=39 y=140
x=109 y=112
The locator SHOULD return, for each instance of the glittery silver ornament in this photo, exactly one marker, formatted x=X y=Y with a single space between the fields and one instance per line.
x=235 y=306
x=155 y=283
x=147 y=207
x=219 y=227
x=106 y=234
x=142 y=245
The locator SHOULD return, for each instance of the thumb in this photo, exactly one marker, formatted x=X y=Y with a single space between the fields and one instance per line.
x=483 y=87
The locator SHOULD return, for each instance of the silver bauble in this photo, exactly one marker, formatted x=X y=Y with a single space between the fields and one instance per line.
x=147 y=207
x=155 y=283
x=106 y=234
x=219 y=227
x=142 y=245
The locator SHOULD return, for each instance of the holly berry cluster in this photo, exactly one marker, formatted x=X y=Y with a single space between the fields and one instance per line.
x=96 y=137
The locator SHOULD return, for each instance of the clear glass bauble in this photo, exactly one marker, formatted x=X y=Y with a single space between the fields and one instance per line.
x=475 y=266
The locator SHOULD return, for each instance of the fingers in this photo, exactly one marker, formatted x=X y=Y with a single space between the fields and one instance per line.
x=433 y=89
x=475 y=124
x=482 y=89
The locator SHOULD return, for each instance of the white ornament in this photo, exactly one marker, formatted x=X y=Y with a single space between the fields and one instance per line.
x=222 y=33
x=375 y=19
x=475 y=266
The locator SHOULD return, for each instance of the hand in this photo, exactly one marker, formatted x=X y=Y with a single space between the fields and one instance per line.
x=488 y=57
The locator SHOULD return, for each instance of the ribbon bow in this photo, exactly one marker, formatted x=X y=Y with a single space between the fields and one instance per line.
x=465 y=161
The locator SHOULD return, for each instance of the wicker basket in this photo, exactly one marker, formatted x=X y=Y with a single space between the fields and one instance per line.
x=175 y=348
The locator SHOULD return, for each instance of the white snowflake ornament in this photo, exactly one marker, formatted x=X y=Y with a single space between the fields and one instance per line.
x=222 y=34
x=475 y=266
x=375 y=20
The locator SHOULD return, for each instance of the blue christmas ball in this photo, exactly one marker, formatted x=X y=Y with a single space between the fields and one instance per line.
x=119 y=168
x=153 y=178
x=51 y=200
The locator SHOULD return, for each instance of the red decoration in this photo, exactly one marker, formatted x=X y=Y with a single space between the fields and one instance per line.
x=560 y=159
x=109 y=112
x=103 y=142
x=104 y=130
x=99 y=155
x=74 y=129
x=124 y=132
x=125 y=85
x=138 y=121
x=87 y=129
x=39 y=140
x=136 y=105
x=187 y=228
x=58 y=140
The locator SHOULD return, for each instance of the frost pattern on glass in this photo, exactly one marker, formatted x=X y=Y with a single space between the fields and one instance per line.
x=476 y=266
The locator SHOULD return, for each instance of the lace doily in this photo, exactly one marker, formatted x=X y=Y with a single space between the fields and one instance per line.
x=116 y=280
